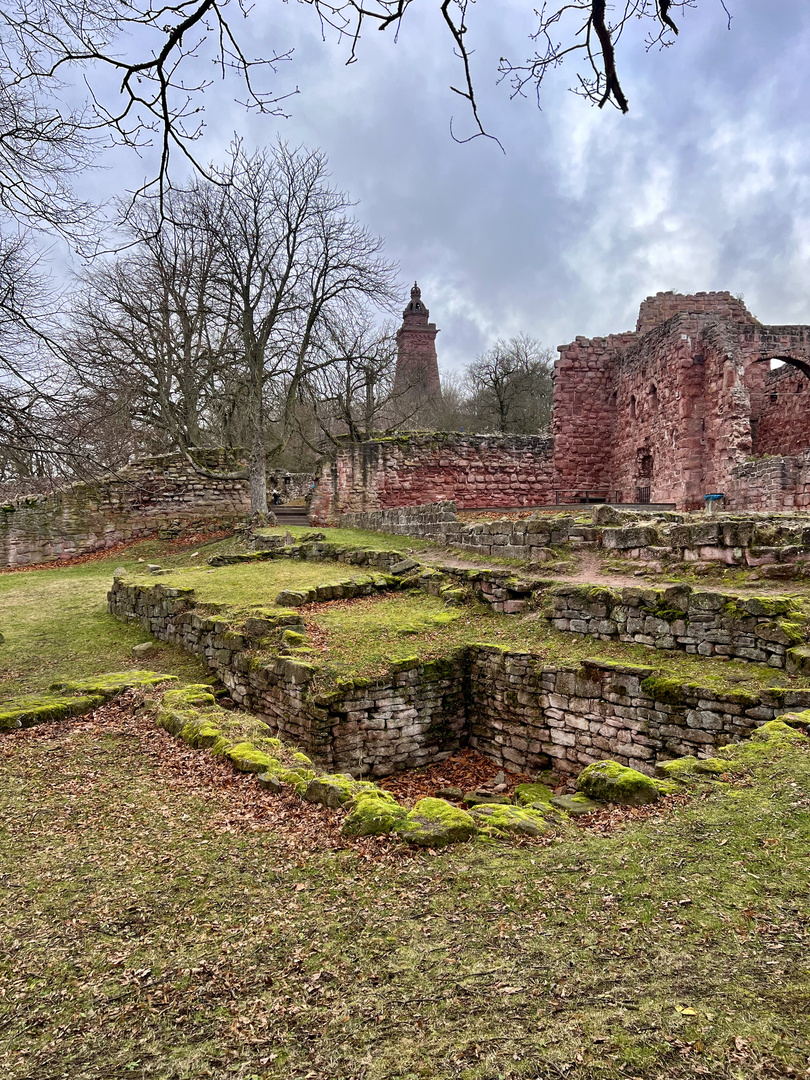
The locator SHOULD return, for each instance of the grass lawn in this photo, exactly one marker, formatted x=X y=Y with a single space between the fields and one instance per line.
x=165 y=919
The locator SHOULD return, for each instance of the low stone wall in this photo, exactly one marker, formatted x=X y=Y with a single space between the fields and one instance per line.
x=410 y=470
x=506 y=703
x=527 y=539
x=522 y=712
x=751 y=540
x=756 y=629
x=160 y=493
x=412 y=717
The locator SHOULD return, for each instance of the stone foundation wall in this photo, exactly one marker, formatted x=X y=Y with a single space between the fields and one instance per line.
x=411 y=470
x=412 y=717
x=508 y=704
x=159 y=493
x=527 y=539
x=763 y=541
x=758 y=629
x=522 y=712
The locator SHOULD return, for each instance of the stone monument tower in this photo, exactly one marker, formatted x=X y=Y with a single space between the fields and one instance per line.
x=416 y=379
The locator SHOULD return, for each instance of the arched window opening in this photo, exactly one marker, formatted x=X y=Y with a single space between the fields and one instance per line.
x=632 y=406
x=654 y=397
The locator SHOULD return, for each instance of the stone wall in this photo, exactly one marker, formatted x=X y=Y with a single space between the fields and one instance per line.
x=658 y=309
x=522 y=712
x=411 y=717
x=781 y=416
x=528 y=538
x=772 y=483
x=669 y=412
x=756 y=629
x=509 y=704
x=777 y=545
x=159 y=493
x=410 y=470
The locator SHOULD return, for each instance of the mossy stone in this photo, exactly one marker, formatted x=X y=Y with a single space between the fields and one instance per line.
x=693 y=769
x=374 y=813
x=527 y=794
x=509 y=820
x=246 y=758
x=435 y=823
x=608 y=781
x=576 y=805
x=334 y=790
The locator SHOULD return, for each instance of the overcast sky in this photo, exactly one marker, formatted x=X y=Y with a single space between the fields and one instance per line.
x=703 y=185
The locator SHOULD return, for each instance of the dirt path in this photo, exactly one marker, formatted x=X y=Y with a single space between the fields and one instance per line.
x=590 y=570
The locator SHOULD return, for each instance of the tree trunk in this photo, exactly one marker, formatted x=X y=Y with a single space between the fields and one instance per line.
x=258 y=474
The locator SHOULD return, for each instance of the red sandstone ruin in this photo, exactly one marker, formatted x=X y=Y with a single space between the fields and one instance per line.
x=668 y=413
x=683 y=406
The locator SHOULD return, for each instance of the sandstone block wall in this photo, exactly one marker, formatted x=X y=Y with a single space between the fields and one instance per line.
x=522 y=711
x=509 y=704
x=528 y=539
x=153 y=494
x=772 y=483
x=756 y=629
x=410 y=470
x=781 y=413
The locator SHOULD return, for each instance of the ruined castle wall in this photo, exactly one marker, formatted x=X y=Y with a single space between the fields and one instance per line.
x=510 y=705
x=658 y=309
x=159 y=493
x=781 y=419
x=584 y=414
x=411 y=470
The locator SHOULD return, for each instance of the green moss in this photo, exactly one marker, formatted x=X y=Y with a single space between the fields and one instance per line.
x=113 y=683
x=533 y=793
x=374 y=813
x=608 y=781
x=577 y=804
x=435 y=823
x=28 y=711
x=246 y=758
x=691 y=769
x=509 y=820
x=292 y=639
x=665 y=689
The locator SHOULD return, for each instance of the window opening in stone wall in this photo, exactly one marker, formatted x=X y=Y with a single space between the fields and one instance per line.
x=632 y=406
x=654 y=397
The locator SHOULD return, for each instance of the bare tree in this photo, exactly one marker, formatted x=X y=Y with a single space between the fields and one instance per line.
x=350 y=394
x=146 y=334
x=144 y=67
x=290 y=261
x=510 y=386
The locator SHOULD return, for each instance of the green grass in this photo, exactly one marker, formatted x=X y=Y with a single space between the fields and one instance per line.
x=354 y=538
x=364 y=636
x=247 y=585
x=149 y=933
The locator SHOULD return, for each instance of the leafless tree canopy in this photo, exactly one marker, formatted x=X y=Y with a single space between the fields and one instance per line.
x=141 y=62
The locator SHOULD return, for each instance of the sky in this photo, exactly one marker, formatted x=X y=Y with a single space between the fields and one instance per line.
x=579 y=213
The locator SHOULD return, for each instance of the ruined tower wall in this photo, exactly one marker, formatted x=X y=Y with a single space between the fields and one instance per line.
x=782 y=417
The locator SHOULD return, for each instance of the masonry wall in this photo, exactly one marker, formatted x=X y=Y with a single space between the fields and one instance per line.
x=508 y=704
x=522 y=712
x=409 y=470
x=773 y=483
x=530 y=539
x=160 y=493
x=781 y=413
x=758 y=629
x=669 y=412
